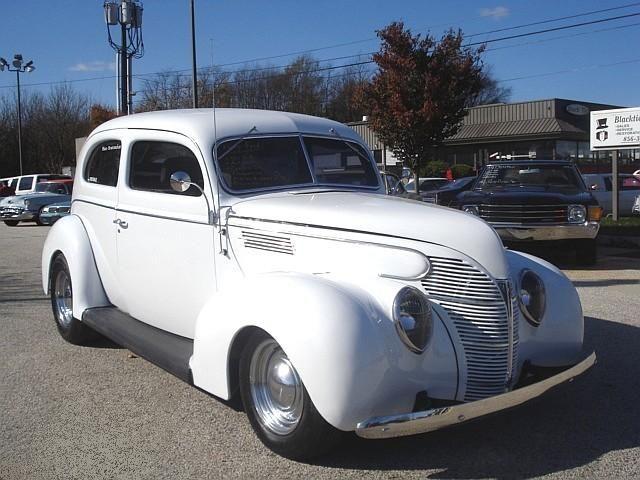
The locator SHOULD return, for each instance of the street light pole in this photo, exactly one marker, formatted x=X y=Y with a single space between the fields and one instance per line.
x=19 y=121
x=18 y=68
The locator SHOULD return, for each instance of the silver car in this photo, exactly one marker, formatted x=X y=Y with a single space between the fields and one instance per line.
x=29 y=207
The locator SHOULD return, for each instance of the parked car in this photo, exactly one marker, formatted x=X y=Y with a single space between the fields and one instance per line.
x=262 y=259
x=535 y=201
x=28 y=207
x=600 y=185
x=27 y=183
x=635 y=209
x=428 y=184
x=54 y=212
x=446 y=195
x=394 y=186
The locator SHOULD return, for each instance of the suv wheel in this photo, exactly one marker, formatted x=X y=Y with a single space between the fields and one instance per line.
x=278 y=405
x=61 y=289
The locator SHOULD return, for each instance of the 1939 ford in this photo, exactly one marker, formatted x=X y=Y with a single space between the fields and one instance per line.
x=255 y=253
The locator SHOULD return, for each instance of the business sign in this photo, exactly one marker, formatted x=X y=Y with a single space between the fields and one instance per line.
x=615 y=129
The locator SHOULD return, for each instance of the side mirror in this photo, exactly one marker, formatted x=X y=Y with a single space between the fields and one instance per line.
x=180 y=181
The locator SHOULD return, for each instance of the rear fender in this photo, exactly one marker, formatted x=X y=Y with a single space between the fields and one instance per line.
x=69 y=237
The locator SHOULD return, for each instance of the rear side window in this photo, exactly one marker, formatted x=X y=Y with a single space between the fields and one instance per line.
x=104 y=163
x=25 y=183
x=153 y=163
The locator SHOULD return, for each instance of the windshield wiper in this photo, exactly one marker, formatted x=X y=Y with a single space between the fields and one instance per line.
x=238 y=142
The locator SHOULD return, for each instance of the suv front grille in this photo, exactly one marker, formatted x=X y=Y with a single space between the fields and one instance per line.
x=524 y=214
x=485 y=322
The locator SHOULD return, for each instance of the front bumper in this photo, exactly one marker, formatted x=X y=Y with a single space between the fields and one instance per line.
x=437 y=418
x=520 y=233
x=19 y=214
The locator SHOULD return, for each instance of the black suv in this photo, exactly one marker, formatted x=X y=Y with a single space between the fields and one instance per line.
x=536 y=201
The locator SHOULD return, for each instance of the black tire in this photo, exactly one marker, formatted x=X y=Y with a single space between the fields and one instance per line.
x=61 y=293
x=11 y=223
x=311 y=437
x=587 y=252
x=38 y=221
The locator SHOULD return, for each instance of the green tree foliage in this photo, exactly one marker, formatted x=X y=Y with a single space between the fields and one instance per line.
x=462 y=170
x=419 y=95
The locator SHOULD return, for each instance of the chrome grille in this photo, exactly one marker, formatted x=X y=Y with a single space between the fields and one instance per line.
x=483 y=321
x=267 y=242
x=524 y=214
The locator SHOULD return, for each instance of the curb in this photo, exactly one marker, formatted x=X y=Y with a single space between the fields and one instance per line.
x=620 y=241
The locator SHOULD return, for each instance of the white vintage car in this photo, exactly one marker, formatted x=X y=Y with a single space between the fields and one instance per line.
x=255 y=253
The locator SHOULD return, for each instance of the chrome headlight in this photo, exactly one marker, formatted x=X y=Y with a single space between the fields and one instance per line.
x=532 y=297
x=576 y=214
x=472 y=209
x=412 y=316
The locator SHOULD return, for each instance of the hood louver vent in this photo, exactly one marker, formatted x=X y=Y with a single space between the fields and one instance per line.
x=269 y=243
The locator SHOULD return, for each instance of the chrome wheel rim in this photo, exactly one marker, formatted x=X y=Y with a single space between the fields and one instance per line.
x=276 y=388
x=63 y=298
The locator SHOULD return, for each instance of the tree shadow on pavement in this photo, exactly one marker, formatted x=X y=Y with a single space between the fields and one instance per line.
x=569 y=427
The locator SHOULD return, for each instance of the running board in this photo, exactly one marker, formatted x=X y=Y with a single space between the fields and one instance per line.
x=168 y=351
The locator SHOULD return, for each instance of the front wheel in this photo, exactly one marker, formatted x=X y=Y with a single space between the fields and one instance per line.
x=39 y=221
x=278 y=405
x=70 y=328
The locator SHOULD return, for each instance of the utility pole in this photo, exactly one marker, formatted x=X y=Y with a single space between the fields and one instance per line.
x=194 y=78
x=128 y=15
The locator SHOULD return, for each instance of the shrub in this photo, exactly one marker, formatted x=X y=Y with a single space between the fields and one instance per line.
x=434 y=168
x=462 y=170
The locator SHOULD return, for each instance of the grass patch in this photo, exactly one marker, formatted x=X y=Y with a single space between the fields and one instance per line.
x=624 y=226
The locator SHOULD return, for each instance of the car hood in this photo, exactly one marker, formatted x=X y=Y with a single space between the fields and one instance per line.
x=528 y=196
x=382 y=215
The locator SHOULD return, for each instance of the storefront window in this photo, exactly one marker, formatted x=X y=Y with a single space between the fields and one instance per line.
x=566 y=150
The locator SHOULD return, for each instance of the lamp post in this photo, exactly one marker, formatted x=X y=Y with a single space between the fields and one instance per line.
x=19 y=68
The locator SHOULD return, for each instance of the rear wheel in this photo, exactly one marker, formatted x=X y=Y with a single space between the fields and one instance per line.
x=70 y=328
x=278 y=405
x=11 y=223
x=587 y=252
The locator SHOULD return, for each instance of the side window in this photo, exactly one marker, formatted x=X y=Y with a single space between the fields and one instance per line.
x=104 y=163
x=25 y=183
x=153 y=163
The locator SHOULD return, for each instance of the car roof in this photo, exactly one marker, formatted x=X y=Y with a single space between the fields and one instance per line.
x=59 y=180
x=561 y=163
x=229 y=122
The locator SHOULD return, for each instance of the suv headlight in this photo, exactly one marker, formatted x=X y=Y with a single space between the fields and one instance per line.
x=472 y=209
x=412 y=315
x=576 y=214
x=532 y=297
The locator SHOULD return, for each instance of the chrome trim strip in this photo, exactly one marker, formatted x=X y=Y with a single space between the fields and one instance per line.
x=437 y=418
x=140 y=213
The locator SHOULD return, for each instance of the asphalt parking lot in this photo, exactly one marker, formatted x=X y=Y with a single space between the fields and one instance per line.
x=78 y=412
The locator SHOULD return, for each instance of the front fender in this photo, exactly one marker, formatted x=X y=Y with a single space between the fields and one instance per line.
x=69 y=237
x=342 y=344
x=557 y=342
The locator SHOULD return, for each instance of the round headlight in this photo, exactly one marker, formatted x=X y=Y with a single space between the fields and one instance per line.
x=576 y=214
x=412 y=316
x=472 y=209
x=532 y=297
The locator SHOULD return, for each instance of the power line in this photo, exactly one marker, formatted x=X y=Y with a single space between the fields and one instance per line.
x=571 y=70
x=510 y=37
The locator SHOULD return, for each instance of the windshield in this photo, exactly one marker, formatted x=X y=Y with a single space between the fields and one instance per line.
x=550 y=176
x=280 y=162
x=51 y=188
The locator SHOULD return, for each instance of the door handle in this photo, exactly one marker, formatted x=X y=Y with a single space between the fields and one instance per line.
x=121 y=223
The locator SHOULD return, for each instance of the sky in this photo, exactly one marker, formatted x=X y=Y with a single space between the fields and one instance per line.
x=67 y=40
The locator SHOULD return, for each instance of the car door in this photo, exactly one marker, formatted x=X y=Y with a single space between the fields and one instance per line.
x=164 y=239
x=96 y=205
